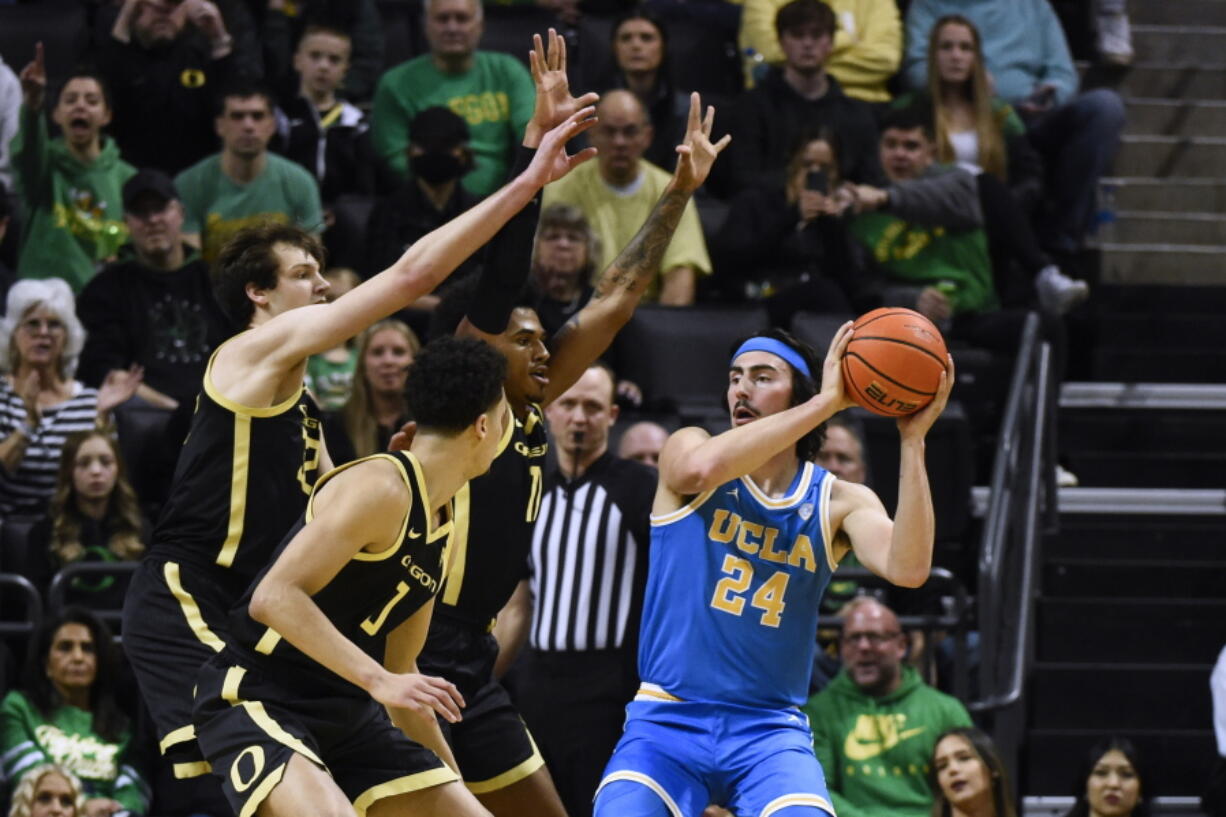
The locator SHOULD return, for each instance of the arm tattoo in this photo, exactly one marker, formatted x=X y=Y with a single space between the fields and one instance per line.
x=634 y=268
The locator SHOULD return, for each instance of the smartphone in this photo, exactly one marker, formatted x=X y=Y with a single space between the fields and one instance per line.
x=816 y=180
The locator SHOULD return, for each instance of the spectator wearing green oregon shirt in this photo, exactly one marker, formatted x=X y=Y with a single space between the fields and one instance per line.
x=492 y=92
x=244 y=184
x=875 y=724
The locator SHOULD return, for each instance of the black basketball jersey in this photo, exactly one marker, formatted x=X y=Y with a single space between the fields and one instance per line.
x=493 y=527
x=371 y=596
x=244 y=475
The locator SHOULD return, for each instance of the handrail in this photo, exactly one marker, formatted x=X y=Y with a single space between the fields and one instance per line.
x=1023 y=487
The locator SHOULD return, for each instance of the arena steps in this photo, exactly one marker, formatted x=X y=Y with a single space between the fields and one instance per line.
x=1175 y=116
x=1189 y=41
x=1059 y=695
x=1166 y=195
x=1177 y=12
x=1167 y=227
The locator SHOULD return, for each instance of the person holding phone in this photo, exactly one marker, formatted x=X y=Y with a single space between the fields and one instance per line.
x=791 y=246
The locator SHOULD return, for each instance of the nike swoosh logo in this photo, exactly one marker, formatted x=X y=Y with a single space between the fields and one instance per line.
x=858 y=748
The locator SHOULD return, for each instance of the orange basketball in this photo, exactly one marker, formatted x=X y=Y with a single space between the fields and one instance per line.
x=894 y=361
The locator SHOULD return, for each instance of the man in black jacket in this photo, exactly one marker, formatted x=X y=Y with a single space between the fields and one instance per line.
x=162 y=74
x=800 y=100
x=154 y=307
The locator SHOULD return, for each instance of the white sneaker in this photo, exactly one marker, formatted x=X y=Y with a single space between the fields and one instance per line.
x=1115 y=39
x=1059 y=293
x=1065 y=478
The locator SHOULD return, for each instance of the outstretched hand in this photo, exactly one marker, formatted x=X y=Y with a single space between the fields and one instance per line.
x=554 y=104
x=552 y=162
x=915 y=426
x=832 y=370
x=34 y=80
x=696 y=154
x=118 y=387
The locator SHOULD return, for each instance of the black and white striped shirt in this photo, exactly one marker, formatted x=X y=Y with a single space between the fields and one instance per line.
x=27 y=490
x=589 y=557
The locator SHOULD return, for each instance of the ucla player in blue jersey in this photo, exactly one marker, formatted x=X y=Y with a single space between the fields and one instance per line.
x=746 y=532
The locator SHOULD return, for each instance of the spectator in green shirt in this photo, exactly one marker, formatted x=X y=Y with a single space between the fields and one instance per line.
x=244 y=184
x=66 y=714
x=492 y=92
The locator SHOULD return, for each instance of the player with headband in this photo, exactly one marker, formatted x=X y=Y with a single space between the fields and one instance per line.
x=745 y=533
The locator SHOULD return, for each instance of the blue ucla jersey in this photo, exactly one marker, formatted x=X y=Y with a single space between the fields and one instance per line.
x=733 y=593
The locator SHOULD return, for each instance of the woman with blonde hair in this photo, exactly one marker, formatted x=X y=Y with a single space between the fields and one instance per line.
x=974 y=128
x=48 y=790
x=40 y=402
x=376 y=407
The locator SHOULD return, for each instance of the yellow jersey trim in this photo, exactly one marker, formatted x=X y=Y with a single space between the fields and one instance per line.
x=268 y=642
x=797 y=800
x=274 y=730
x=240 y=469
x=659 y=520
x=184 y=771
x=238 y=408
x=260 y=793
x=388 y=552
x=802 y=486
x=655 y=692
x=824 y=515
x=180 y=735
x=191 y=611
x=459 y=540
x=639 y=777
x=534 y=416
x=508 y=432
x=403 y=785
x=229 y=686
x=512 y=775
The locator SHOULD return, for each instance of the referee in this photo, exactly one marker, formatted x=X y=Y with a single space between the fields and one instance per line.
x=588 y=568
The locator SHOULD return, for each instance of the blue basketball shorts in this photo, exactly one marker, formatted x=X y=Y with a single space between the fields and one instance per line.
x=753 y=761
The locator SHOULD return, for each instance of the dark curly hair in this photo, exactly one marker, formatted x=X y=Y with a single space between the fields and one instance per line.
x=802 y=387
x=452 y=382
x=109 y=721
x=800 y=13
x=248 y=258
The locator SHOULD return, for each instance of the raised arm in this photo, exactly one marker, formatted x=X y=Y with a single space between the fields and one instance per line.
x=290 y=337
x=619 y=288
x=351 y=514
x=505 y=274
x=899 y=551
x=692 y=462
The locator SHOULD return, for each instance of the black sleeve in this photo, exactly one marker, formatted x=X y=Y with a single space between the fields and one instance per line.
x=508 y=262
x=108 y=338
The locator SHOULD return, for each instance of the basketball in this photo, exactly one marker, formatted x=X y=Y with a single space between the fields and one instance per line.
x=894 y=361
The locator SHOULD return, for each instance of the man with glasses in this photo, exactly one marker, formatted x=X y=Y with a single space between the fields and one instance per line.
x=874 y=725
x=618 y=191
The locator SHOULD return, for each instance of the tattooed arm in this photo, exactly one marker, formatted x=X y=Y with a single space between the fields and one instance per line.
x=620 y=287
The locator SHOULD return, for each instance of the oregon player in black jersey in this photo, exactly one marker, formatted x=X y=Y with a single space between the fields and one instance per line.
x=255 y=448
x=494 y=516
x=315 y=705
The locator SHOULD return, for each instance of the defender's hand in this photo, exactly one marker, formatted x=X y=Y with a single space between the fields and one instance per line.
x=552 y=162
x=696 y=154
x=554 y=104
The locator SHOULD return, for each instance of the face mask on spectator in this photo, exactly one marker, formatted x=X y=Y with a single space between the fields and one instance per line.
x=436 y=167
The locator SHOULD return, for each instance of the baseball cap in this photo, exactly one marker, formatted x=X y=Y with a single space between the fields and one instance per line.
x=148 y=181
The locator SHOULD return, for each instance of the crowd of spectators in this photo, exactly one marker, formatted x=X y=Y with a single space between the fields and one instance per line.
x=943 y=160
